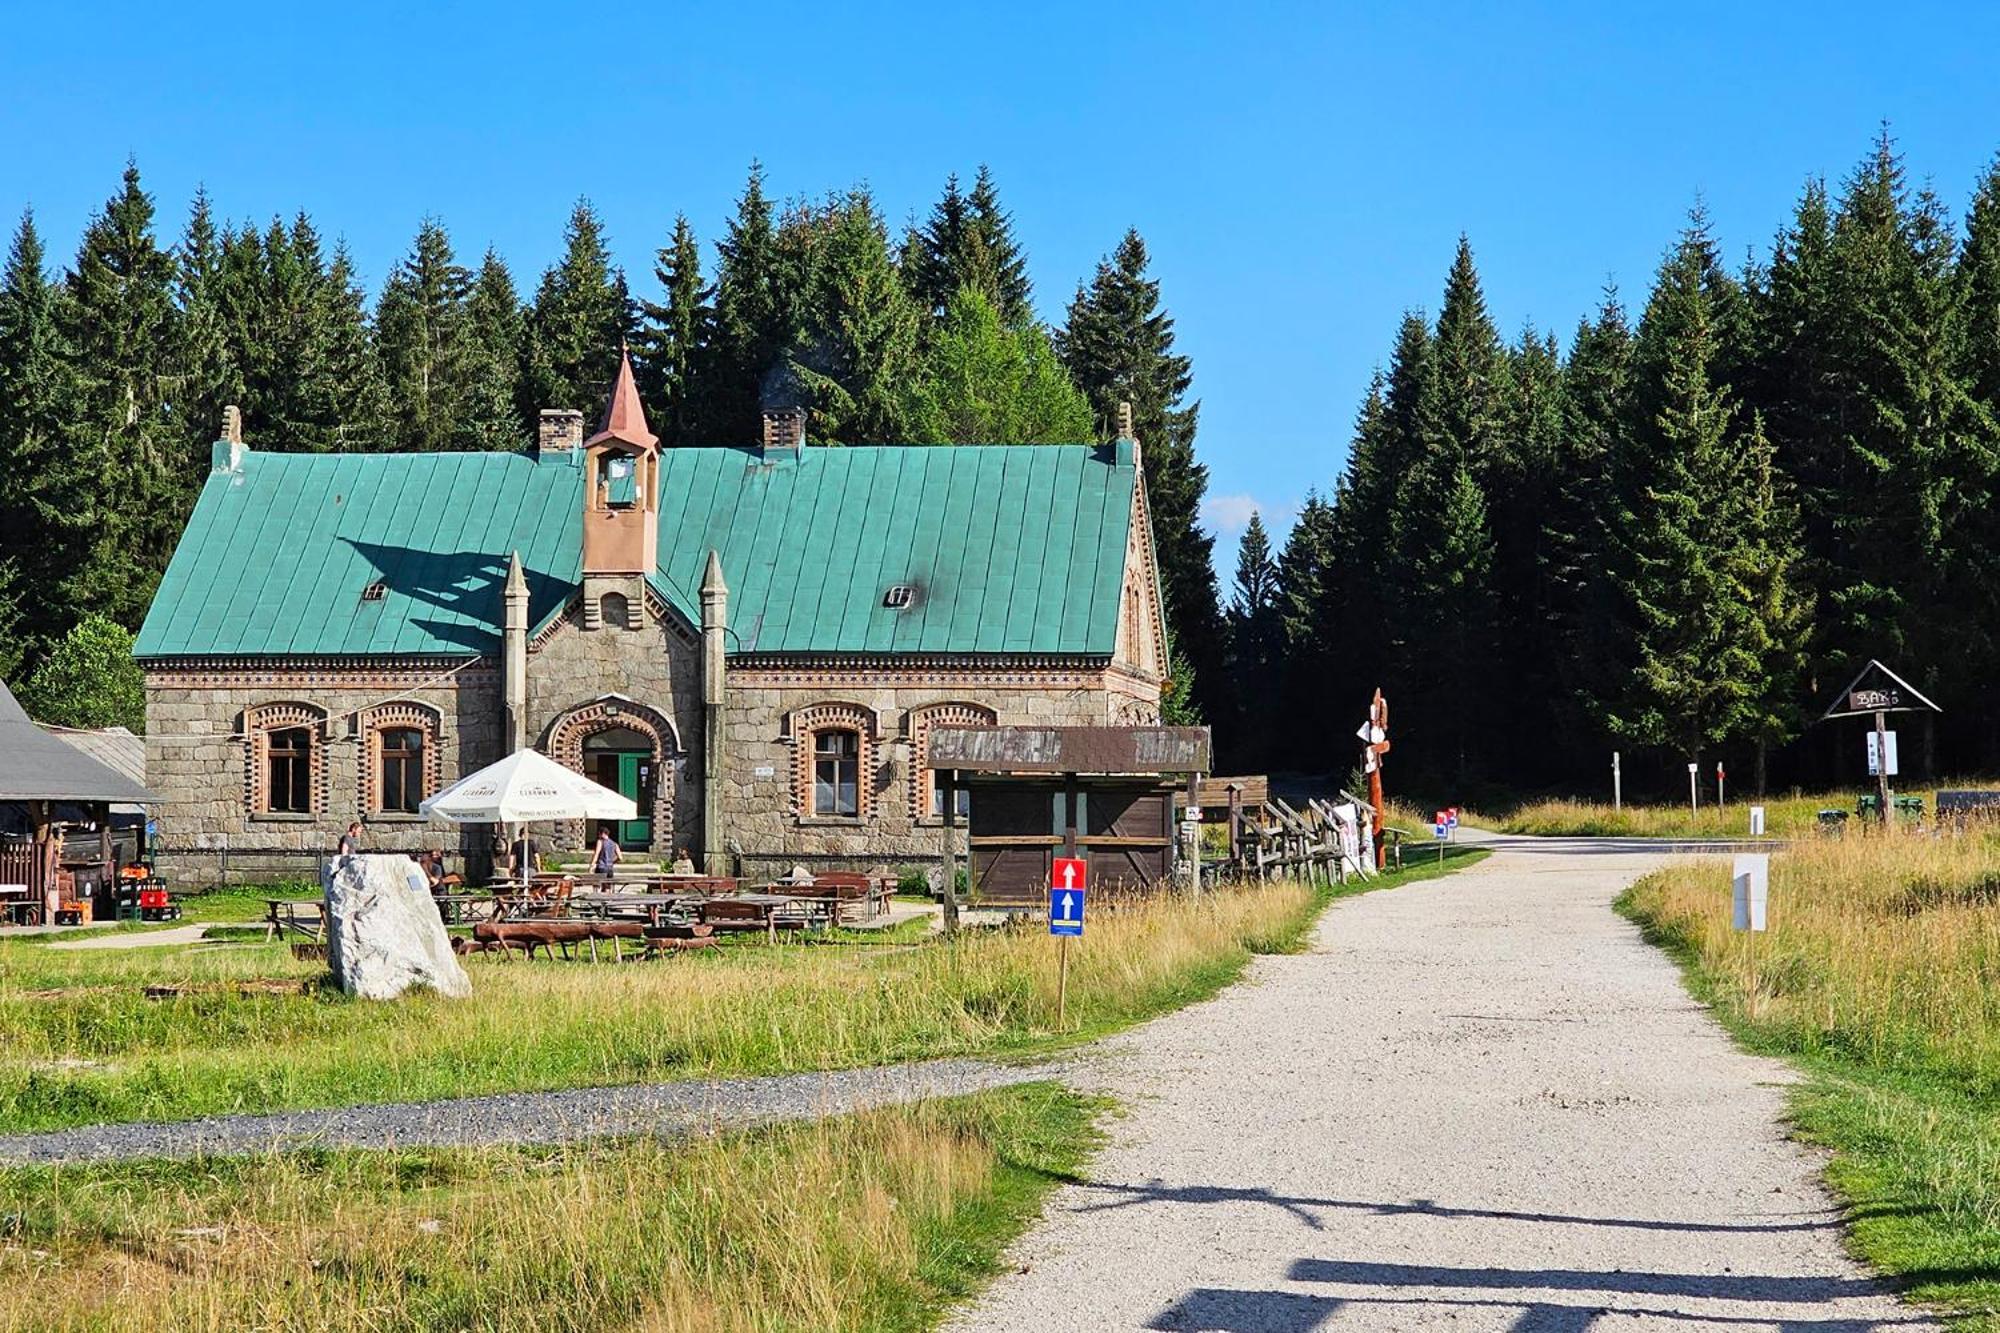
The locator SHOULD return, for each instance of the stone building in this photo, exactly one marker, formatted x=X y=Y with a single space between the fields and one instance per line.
x=752 y=642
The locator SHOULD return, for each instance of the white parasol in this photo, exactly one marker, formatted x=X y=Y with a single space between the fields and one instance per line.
x=526 y=787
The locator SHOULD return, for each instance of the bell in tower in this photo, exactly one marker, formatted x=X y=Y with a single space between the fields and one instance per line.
x=621 y=509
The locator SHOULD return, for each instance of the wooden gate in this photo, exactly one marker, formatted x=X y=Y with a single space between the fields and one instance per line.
x=1123 y=828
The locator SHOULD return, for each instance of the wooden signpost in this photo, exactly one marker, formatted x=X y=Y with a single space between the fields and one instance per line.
x=1879 y=691
x=1374 y=737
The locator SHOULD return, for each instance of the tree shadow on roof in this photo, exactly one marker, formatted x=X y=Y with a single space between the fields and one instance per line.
x=468 y=584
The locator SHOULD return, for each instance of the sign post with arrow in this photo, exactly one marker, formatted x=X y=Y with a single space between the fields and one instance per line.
x=1069 y=880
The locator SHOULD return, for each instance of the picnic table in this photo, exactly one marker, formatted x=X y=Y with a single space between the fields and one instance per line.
x=655 y=908
x=304 y=917
x=768 y=911
x=456 y=909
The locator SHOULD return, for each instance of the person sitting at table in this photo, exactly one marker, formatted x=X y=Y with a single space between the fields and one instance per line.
x=440 y=878
x=683 y=863
x=606 y=857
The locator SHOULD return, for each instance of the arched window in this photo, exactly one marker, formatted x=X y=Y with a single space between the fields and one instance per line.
x=615 y=610
x=833 y=750
x=284 y=760
x=401 y=763
x=926 y=797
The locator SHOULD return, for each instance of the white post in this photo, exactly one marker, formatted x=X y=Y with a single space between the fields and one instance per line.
x=1694 y=787
x=1719 y=800
x=1617 y=784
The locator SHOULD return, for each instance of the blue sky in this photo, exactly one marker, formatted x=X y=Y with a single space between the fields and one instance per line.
x=1300 y=171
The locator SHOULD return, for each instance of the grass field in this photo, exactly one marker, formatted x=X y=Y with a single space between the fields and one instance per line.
x=1880 y=977
x=79 y=1042
x=874 y=1221
x=1786 y=815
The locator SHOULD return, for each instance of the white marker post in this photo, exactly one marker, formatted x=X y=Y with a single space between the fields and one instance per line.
x=1751 y=877
x=1756 y=821
x=1694 y=787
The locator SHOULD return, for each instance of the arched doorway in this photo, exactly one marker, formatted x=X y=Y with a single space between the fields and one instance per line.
x=624 y=760
x=631 y=748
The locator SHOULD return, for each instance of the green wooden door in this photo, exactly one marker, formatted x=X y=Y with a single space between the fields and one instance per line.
x=635 y=779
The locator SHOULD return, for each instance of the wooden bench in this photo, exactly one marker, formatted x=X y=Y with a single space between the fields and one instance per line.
x=528 y=936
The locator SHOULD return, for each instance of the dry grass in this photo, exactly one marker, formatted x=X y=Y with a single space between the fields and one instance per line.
x=100 y=1051
x=1784 y=816
x=868 y=1221
x=1880 y=975
x=1886 y=947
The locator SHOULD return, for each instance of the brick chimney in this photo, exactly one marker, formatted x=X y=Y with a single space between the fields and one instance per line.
x=560 y=431
x=784 y=429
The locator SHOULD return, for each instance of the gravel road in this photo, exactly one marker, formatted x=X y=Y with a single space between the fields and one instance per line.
x=534 y=1117
x=1480 y=1102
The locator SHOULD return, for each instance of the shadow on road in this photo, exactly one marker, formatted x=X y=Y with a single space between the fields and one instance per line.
x=1133 y=1196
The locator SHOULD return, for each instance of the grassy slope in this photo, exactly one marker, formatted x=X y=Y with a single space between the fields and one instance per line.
x=1897 y=1040
x=873 y=1221
x=80 y=1044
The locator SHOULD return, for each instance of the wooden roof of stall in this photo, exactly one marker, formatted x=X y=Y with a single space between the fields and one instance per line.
x=1096 y=750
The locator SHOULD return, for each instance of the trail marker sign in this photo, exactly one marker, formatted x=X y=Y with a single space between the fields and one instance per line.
x=1068 y=881
x=1751 y=878
x=1878 y=741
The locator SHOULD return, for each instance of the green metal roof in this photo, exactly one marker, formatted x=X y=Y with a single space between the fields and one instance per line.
x=1006 y=549
x=278 y=555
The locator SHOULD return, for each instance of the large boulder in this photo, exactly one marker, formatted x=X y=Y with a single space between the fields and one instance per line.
x=383 y=934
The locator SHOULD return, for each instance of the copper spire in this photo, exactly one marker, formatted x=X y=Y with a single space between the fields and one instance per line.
x=624 y=417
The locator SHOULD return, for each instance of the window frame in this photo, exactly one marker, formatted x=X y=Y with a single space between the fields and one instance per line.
x=297 y=758
x=849 y=760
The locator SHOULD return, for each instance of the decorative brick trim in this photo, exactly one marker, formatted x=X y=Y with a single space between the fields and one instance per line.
x=371 y=724
x=918 y=727
x=258 y=724
x=802 y=724
x=313 y=674
x=899 y=674
x=563 y=742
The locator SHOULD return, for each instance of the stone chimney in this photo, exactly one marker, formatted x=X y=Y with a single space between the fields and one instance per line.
x=232 y=424
x=1125 y=422
x=228 y=450
x=560 y=431
x=784 y=429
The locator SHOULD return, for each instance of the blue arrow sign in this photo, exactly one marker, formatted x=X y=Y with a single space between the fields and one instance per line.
x=1066 y=912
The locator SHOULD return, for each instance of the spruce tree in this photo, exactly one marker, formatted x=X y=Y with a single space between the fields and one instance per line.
x=577 y=324
x=423 y=340
x=859 y=353
x=1256 y=641
x=120 y=481
x=673 y=350
x=1521 y=480
x=1688 y=557
x=36 y=395
x=494 y=335
x=1580 y=610
x=1118 y=344
x=756 y=312
x=205 y=372
x=968 y=241
x=1310 y=587
x=1441 y=543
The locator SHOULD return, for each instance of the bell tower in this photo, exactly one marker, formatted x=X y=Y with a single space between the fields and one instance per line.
x=621 y=509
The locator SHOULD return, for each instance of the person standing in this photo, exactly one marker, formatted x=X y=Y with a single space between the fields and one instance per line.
x=350 y=841
x=607 y=854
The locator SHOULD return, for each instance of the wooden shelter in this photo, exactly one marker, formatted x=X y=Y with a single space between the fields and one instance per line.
x=40 y=773
x=1105 y=794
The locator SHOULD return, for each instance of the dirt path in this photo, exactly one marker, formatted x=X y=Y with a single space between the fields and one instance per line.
x=1481 y=1103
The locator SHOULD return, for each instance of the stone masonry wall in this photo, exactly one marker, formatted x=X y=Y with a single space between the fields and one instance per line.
x=761 y=812
x=657 y=666
x=196 y=761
